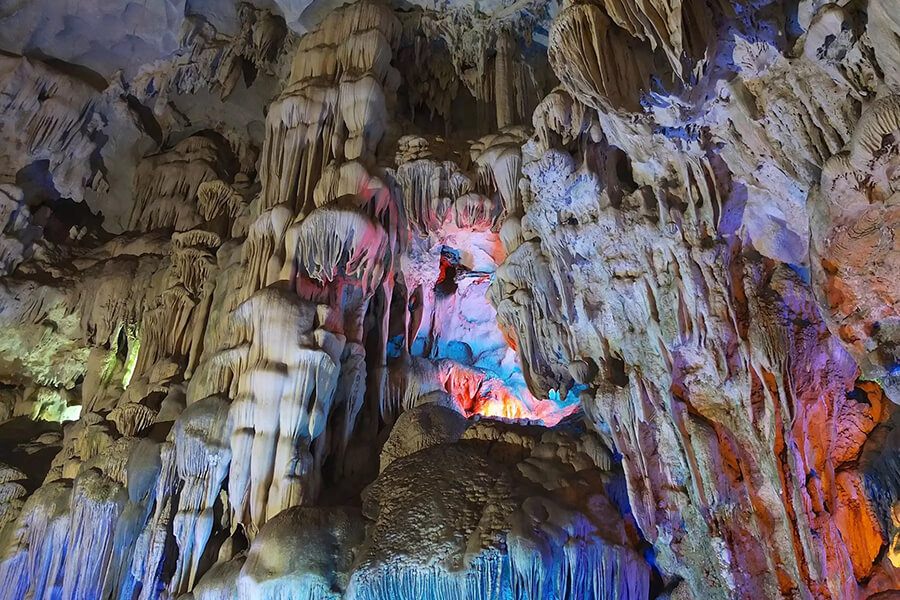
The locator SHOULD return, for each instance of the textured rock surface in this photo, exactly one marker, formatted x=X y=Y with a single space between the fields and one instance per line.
x=526 y=300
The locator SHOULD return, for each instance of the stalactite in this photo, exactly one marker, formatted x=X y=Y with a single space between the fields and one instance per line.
x=203 y=457
x=33 y=563
x=51 y=116
x=284 y=397
x=334 y=107
x=167 y=184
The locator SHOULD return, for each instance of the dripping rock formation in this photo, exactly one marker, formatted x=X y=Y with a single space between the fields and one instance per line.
x=505 y=300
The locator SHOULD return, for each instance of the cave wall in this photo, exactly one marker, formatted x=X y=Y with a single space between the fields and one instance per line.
x=533 y=301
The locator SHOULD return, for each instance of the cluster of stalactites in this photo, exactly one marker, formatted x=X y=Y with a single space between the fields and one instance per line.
x=50 y=116
x=606 y=53
x=596 y=60
x=17 y=233
x=351 y=182
x=884 y=30
x=116 y=291
x=167 y=185
x=202 y=457
x=429 y=186
x=143 y=302
x=439 y=195
x=337 y=242
x=488 y=55
x=335 y=107
x=283 y=396
x=162 y=300
x=560 y=120
x=341 y=245
x=193 y=258
x=523 y=294
x=218 y=201
x=12 y=493
x=498 y=157
x=210 y=59
x=262 y=254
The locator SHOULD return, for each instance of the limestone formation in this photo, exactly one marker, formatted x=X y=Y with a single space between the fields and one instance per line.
x=516 y=300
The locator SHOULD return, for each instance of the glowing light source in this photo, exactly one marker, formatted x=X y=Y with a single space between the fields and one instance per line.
x=480 y=369
x=50 y=404
x=71 y=413
x=134 y=347
x=475 y=393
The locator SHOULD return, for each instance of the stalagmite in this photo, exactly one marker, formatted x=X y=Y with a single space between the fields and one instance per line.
x=402 y=556
x=32 y=563
x=302 y=553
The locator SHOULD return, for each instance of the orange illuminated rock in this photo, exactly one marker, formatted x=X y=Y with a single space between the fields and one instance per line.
x=857 y=523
